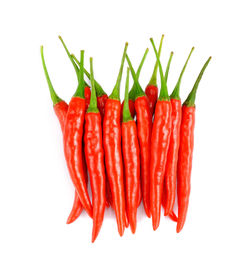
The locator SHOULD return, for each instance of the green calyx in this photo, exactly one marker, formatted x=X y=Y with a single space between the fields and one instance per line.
x=138 y=89
x=98 y=88
x=168 y=66
x=153 y=80
x=126 y=112
x=81 y=84
x=176 y=92
x=164 y=91
x=54 y=97
x=190 y=101
x=71 y=59
x=116 y=91
x=133 y=89
x=93 y=102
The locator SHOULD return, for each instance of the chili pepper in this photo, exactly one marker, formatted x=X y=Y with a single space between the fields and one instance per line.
x=184 y=165
x=95 y=158
x=101 y=95
x=131 y=160
x=172 y=158
x=164 y=191
x=112 y=149
x=172 y=216
x=152 y=88
x=61 y=108
x=144 y=127
x=73 y=134
x=131 y=100
x=101 y=101
x=159 y=147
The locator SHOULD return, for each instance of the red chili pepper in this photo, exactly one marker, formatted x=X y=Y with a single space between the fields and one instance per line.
x=61 y=109
x=131 y=100
x=172 y=158
x=152 y=88
x=184 y=165
x=131 y=160
x=113 y=152
x=101 y=101
x=159 y=147
x=144 y=127
x=73 y=134
x=94 y=154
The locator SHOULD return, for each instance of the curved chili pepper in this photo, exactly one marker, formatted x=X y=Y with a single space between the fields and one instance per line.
x=159 y=147
x=144 y=127
x=112 y=149
x=61 y=109
x=101 y=101
x=152 y=88
x=94 y=154
x=184 y=165
x=73 y=133
x=131 y=100
x=131 y=160
x=172 y=158
x=172 y=216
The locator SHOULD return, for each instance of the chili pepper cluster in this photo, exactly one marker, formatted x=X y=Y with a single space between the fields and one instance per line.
x=128 y=161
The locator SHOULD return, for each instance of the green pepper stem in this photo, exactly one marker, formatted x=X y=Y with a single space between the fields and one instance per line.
x=126 y=112
x=176 y=92
x=133 y=89
x=93 y=102
x=71 y=59
x=116 y=91
x=153 y=80
x=98 y=87
x=81 y=84
x=168 y=66
x=190 y=101
x=138 y=92
x=164 y=90
x=54 y=97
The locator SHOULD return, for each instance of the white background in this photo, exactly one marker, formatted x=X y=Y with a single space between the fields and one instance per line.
x=36 y=193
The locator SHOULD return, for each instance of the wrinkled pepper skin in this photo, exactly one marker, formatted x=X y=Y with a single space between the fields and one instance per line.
x=184 y=165
x=159 y=147
x=152 y=94
x=144 y=128
x=172 y=157
x=95 y=162
x=101 y=101
x=131 y=159
x=73 y=134
x=113 y=159
x=61 y=109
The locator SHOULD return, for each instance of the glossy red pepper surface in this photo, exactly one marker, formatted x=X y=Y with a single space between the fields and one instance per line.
x=113 y=158
x=159 y=147
x=152 y=94
x=172 y=157
x=95 y=162
x=144 y=128
x=101 y=101
x=73 y=133
x=185 y=163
